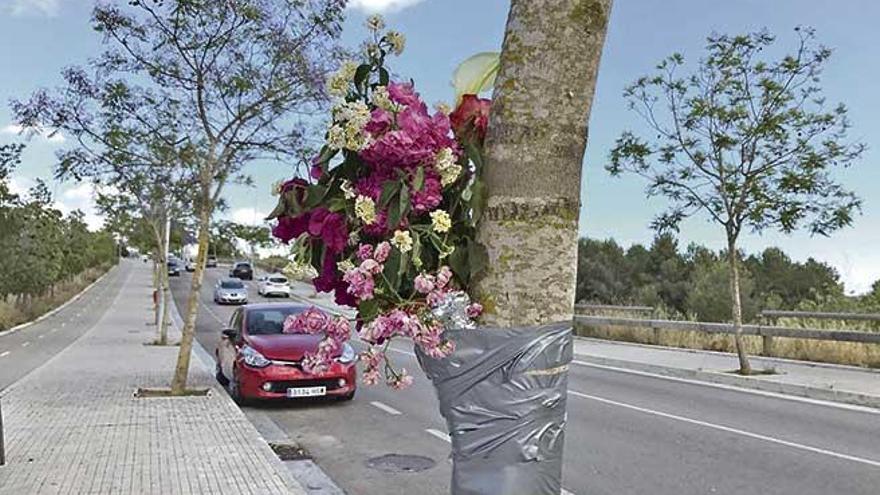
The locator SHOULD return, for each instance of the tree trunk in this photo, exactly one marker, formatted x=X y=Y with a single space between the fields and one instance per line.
x=162 y=304
x=181 y=371
x=733 y=263
x=534 y=155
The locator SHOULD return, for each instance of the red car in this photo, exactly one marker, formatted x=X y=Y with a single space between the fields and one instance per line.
x=256 y=360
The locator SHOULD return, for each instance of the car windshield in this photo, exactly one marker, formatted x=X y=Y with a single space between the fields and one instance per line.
x=231 y=284
x=243 y=265
x=278 y=280
x=269 y=321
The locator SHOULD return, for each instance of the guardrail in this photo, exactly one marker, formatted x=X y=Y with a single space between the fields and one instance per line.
x=819 y=315
x=613 y=308
x=767 y=332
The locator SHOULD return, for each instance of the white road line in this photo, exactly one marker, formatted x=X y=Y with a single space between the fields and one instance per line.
x=54 y=330
x=735 y=431
x=4 y=354
x=27 y=343
x=63 y=323
x=734 y=388
x=40 y=336
x=385 y=407
x=566 y=492
x=439 y=434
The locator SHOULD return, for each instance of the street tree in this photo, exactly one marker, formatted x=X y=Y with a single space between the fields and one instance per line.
x=245 y=76
x=744 y=139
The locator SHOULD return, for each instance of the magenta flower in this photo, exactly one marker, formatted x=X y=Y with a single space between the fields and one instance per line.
x=365 y=252
x=430 y=195
x=380 y=122
x=330 y=228
x=360 y=284
x=403 y=94
x=475 y=310
x=289 y=228
x=424 y=283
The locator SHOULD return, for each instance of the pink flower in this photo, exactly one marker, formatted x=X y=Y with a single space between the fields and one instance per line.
x=330 y=228
x=360 y=284
x=435 y=297
x=403 y=94
x=401 y=381
x=310 y=321
x=382 y=251
x=380 y=122
x=365 y=252
x=474 y=310
x=444 y=275
x=430 y=195
x=424 y=283
x=289 y=228
x=370 y=266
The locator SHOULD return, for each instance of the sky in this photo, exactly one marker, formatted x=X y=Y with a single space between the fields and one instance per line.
x=39 y=37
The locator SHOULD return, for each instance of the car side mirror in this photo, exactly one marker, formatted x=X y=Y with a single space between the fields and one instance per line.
x=230 y=333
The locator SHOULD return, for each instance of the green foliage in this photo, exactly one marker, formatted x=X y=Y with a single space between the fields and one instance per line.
x=39 y=247
x=693 y=282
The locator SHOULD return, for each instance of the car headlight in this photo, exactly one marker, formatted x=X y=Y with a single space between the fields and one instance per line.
x=253 y=358
x=348 y=355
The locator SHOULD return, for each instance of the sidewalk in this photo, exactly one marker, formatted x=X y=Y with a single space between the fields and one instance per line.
x=73 y=426
x=822 y=381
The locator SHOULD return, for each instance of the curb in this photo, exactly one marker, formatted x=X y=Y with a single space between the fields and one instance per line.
x=741 y=381
x=59 y=308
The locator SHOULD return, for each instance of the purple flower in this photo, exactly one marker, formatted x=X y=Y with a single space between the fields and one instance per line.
x=365 y=252
x=289 y=228
x=380 y=122
x=330 y=228
x=382 y=252
x=403 y=94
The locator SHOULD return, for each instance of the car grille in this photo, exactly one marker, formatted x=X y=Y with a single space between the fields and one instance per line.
x=282 y=386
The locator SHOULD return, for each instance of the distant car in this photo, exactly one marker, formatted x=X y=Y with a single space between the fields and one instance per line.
x=173 y=268
x=230 y=290
x=145 y=258
x=242 y=270
x=257 y=360
x=212 y=262
x=273 y=285
x=190 y=266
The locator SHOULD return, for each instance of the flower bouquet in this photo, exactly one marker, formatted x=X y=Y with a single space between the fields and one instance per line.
x=387 y=215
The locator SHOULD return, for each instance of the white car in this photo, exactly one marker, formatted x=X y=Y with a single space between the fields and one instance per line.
x=273 y=285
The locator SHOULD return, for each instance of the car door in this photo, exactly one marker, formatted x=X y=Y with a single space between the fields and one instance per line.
x=227 y=350
x=262 y=284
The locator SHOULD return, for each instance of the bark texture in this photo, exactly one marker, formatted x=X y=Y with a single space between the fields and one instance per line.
x=534 y=154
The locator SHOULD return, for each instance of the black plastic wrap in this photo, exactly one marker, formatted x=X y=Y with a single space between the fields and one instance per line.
x=502 y=393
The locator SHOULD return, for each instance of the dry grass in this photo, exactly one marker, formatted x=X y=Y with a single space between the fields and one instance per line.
x=850 y=353
x=12 y=314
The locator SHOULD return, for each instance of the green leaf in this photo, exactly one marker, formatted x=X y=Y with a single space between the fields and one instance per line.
x=478 y=199
x=393 y=214
x=368 y=309
x=419 y=179
x=392 y=269
x=404 y=202
x=314 y=195
x=383 y=77
x=361 y=75
x=417 y=250
x=389 y=190
x=280 y=209
x=336 y=204
x=458 y=261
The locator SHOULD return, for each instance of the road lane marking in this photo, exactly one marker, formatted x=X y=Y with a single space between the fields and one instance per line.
x=385 y=407
x=63 y=323
x=566 y=492
x=54 y=330
x=733 y=388
x=439 y=434
x=4 y=353
x=40 y=336
x=727 y=429
x=27 y=343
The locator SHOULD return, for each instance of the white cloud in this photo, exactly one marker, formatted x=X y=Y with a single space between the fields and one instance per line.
x=80 y=197
x=47 y=8
x=248 y=216
x=45 y=133
x=372 y=6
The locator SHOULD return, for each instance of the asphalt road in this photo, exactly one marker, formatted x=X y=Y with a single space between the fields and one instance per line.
x=26 y=349
x=628 y=433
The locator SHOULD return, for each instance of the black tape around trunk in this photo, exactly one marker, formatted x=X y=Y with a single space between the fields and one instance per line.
x=503 y=394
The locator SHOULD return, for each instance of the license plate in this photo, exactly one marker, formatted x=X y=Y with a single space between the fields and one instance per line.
x=307 y=392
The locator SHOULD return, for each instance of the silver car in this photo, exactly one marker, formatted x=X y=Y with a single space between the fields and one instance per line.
x=231 y=291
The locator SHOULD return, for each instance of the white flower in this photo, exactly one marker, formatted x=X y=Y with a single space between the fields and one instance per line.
x=371 y=50
x=445 y=163
x=347 y=190
x=402 y=241
x=345 y=266
x=440 y=221
x=381 y=99
x=396 y=40
x=276 y=187
x=442 y=107
x=365 y=209
x=338 y=82
x=336 y=137
x=375 y=22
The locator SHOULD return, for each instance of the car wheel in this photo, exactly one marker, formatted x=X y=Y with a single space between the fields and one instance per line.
x=235 y=391
x=221 y=378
